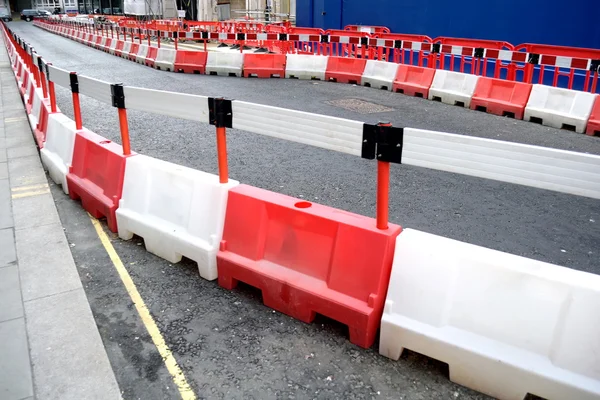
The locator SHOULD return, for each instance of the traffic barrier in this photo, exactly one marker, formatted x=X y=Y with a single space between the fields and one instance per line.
x=96 y=175
x=57 y=154
x=345 y=70
x=559 y=108
x=307 y=258
x=126 y=49
x=506 y=325
x=133 y=51
x=190 y=62
x=142 y=52
x=41 y=127
x=302 y=66
x=453 y=88
x=499 y=97
x=379 y=74
x=119 y=48
x=165 y=59
x=593 y=126
x=178 y=211
x=224 y=64
x=34 y=114
x=264 y=65
x=113 y=46
x=151 y=56
x=413 y=80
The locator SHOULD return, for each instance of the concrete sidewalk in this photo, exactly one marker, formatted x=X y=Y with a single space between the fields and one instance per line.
x=50 y=347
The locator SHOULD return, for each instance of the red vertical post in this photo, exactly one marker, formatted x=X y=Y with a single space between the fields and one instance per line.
x=118 y=100
x=124 y=127
x=220 y=117
x=222 y=154
x=383 y=189
x=76 y=104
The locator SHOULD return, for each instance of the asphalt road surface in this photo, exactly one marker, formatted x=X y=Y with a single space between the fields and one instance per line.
x=227 y=343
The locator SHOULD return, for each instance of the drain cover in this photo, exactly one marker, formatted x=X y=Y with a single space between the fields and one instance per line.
x=359 y=106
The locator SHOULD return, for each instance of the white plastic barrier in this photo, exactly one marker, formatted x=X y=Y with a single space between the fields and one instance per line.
x=113 y=46
x=36 y=107
x=126 y=49
x=165 y=59
x=505 y=325
x=142 y=53
x=178 y=211
x=224 y=64
x=379 y=74
x=57 y=153
x=560 y=108
x=453 y=88
x=522 y=164
x=302 y=66
x=102 y=45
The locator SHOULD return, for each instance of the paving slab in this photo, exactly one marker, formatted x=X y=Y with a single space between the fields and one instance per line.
x=45 y=262
x=21 y=151
x=15 y=370
x=65 y=331
x=34 y=211
x=25 y=171
x=10 y=292
x=8 y=255
x=6 y=219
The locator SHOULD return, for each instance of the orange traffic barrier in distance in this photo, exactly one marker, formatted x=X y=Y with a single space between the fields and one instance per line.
x=190 y=62
x=593 y=126
x=500 y=97
x=264 y=65
x=345 y=70
x=413 y=80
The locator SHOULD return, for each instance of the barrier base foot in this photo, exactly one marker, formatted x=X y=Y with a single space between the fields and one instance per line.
x=92 y=204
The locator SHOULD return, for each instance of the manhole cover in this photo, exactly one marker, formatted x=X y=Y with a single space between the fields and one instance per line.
x=359 y=106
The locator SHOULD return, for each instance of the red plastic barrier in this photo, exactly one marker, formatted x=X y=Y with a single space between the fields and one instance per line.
x=499 y=97
x=190 y=62
x=108 y=43
x=593 y=126
x=119 y=48
x=345 y=70
x=413 y=81
x=133 y=51
x=42 y=125
x=264 y=65
x=308 y=258
x=97 y=42
x=151 y=56
x=96 y=175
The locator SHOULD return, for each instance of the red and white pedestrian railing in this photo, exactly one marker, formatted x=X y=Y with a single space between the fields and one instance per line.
x=552 y=106
x=506 y=325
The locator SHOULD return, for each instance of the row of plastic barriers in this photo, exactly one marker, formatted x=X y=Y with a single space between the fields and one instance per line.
x=551 y=106
x=506 y=325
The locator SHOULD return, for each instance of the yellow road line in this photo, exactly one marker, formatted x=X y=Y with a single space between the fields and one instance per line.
x=185 y=390
x=15 y=119
x=20 y=195
x=30 y=187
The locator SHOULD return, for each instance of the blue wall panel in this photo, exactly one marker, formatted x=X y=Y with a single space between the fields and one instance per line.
x=565 y=23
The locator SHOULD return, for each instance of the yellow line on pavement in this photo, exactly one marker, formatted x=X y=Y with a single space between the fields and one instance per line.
x=185 y=390
x=30 y=187
x=15 y=119
x=20 y=195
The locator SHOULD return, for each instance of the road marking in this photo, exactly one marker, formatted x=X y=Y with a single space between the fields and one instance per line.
x=15 y=119
x=31 y=190
x=184 y=388
x=30 y=187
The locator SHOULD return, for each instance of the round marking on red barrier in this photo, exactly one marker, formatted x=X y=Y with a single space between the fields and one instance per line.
x=303 y=204
x=105 y=142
